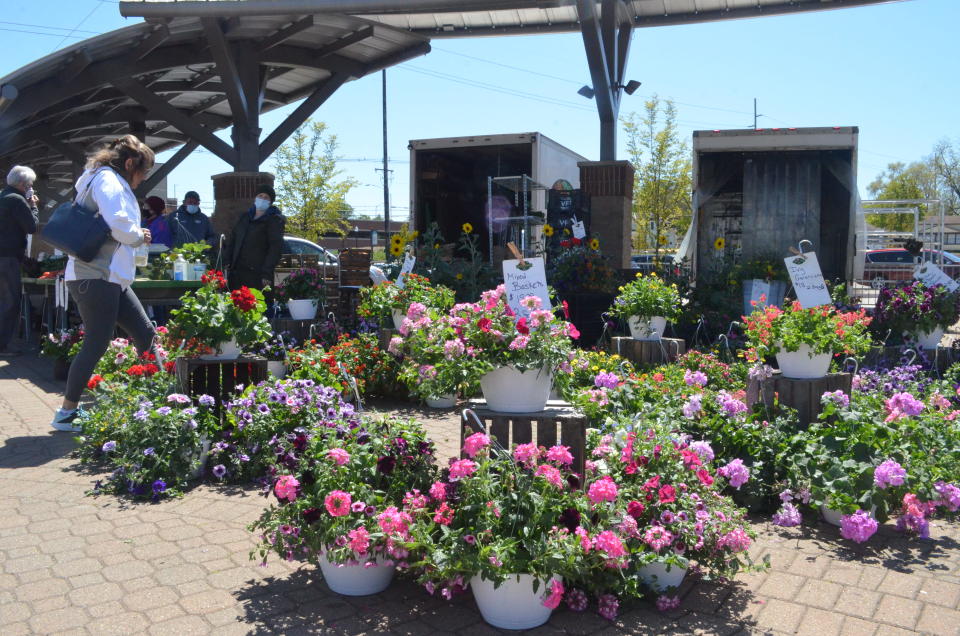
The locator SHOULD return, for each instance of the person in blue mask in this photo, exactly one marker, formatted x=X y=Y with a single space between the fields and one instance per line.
x=255 y=245
x=189 y=225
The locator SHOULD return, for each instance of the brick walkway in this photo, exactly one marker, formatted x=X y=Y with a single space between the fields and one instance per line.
x=81 y=565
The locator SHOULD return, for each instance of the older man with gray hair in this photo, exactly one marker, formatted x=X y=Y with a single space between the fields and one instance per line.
x=18 y=217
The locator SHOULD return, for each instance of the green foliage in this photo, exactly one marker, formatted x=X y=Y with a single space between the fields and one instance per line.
x=645 y=297
x=64 y=346
x=380 y=301
x=662 y=183
x=303 y=284
x=307 y=182
x=161 y=264
x=209 y=317
x=463 y=269
x=576 y=267
x=903 y=182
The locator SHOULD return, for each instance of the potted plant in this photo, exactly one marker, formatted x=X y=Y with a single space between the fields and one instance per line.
x=917 y=311
x=804 y=340
x=491 y=522
x=764 y=277
x=513 y=360
x=302 y=290
x=346 y=498
x=388 y=301
x=584 y=278
x=275 y=351
x=647 y=303
x=62 y=347
x=215 y=324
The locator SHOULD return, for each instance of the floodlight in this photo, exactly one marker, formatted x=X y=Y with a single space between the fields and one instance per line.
x=586 y=91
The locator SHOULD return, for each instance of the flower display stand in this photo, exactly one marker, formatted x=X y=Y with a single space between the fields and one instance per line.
x=558 y=423
x=219 y=378
x=648 y=352
x=801 y=394
x=299 y=329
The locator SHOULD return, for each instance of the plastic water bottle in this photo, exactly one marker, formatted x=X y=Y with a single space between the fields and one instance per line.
x=198 y=270
x=180 y=268
x=142 y=255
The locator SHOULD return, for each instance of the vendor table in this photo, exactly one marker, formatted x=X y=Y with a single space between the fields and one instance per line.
x=150 y=292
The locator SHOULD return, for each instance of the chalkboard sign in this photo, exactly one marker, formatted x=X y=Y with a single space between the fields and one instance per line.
x=562 y=207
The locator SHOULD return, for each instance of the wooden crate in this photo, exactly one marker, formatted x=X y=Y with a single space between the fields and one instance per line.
x=644 y=353
x=355 y=266
x=803 y=395
x=558 y=423
x=219 y=378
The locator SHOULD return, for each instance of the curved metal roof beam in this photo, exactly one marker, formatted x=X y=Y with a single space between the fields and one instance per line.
x=226 y=8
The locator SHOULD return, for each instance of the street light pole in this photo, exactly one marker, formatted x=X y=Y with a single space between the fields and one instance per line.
x=386 y=173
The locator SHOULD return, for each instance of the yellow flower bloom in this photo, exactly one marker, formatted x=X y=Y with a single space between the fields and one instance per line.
x=467 y=228
x=547 y=230
x=459 y=275
x=720 y=243
x=594 y=244
x=396 y=249
x=566 y=231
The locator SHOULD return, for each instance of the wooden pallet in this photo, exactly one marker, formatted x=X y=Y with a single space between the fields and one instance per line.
x=219 y=378
x=804 y=395
x=645 y=353
x=558 y=423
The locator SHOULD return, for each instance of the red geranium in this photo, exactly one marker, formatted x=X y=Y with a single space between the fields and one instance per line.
x=243 y=299
x=215 y=277
x=667 y=494
x=522 y=327
x=94 y=381
x=135 y=371
x=169 y=366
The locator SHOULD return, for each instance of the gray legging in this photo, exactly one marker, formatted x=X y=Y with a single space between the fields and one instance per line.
x=104 y=305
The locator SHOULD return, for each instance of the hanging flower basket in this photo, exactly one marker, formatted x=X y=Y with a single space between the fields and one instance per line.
x=229 y=350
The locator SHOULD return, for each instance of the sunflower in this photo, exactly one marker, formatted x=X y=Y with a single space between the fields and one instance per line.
x=720 y=243
x=396 y=239
x=467 y=228
x=459 y=275
x=594 y=244
x=566 y=231
x=661 y=240
x=547 y=230
x=396 y=250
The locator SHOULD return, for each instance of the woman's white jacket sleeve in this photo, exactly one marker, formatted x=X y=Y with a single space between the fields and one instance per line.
x=118 y=208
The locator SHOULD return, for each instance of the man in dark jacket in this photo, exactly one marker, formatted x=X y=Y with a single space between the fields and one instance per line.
x=189 y=225
x=18 y=217
x=256 y=244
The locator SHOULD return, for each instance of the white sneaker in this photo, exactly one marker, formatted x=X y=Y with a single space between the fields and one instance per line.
x=67 y=420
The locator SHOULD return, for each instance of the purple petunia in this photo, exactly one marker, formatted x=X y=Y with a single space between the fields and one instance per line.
x=736 y=473
x=164 y=410
x=219 y=471
x=839 y=398
x=695 y=378
x=206 y=400
x=703 y=449
x=109 y=446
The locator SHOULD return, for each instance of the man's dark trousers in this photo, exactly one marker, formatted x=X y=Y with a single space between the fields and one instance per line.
x=9 y=299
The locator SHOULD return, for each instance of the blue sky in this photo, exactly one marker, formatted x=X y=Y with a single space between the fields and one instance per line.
x=889 y=69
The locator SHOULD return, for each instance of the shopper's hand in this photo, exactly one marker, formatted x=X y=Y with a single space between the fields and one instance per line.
x=147 y=237
x=34 y=201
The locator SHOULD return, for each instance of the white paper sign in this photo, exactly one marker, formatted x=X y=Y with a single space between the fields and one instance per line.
x=808 y=280
x=760 y=293
x=408 y=263
x=579 y=231
x=521 y=283
x=929 y=274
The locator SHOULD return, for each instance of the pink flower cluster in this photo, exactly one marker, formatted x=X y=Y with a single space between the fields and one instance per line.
x=858 y=527
x=889 y=473
x=604 y=489
x=338 y=456
x=475 y=443
x=695 y=378
x=338 y=503
x=286 y=488
x=736 y=473
x=902 y=405
x=555 y=593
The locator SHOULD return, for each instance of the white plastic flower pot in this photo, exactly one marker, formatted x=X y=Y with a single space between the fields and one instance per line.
x=398 y=317
x=356 y=580
x=443 y=402
x=229 y=350
x=643 y=328
x=277 y=368
x=302 y=309
x=508 y=390
x=930 y=339
x=513 y=605
x=803 y=363
x=661 y=576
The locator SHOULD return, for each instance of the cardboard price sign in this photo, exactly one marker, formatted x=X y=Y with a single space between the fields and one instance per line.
x=929 y=274
x=807 y=280
x=408 y=263
x=579 y=231
x=522 y=280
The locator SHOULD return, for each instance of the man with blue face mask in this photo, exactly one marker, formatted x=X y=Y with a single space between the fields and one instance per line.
x=189 y=225
x=256 y=243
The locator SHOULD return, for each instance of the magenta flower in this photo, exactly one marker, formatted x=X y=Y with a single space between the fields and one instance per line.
x=657 y=537
x=577 y=600
x=695 y=378
x=524 y=453
x=735 y=540
x=608 y=606
x=438 y=491
x=286 y=488
x=555 y=595
x=736 y=473
x=788 y=516
x=359 y=540
x=889 y=473
x=858 y=527
x=338 y=456
x=606 y=380
x=604 y=489
x=551 y=474
x=338 y=503
x=462 y=468
x=475 y=443
x=610 y=544
x=666 y=603
x=560 y=454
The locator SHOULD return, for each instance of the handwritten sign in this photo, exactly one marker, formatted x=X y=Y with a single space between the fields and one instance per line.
x=759 y=293
x=521 y=283
x=808 y=280
x=579 y=231
x=408 y=262
x=929 y=274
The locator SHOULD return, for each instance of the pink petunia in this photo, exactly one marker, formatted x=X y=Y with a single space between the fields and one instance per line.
x=555 y=595
x=462 y=468
x=338 y=503
x=560 y=454
x=286 y=488
x=338 y=456
x=551 y=474
x=359 y=540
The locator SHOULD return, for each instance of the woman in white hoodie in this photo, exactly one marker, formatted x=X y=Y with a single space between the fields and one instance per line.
x=101 y=287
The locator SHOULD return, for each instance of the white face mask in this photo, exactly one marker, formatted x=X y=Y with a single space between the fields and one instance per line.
x=261 y=204
x=193 y=209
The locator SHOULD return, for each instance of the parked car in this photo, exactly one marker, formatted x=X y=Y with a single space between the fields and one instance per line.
x=889 y=265
x=644 y=262
x=297 y=245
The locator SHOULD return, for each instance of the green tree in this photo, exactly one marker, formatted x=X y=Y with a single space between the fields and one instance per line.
x=946 y=164
x=902 y=182
x=309 y=191
x=662 y=182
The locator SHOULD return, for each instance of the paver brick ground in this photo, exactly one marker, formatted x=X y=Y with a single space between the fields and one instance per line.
x=73 y=564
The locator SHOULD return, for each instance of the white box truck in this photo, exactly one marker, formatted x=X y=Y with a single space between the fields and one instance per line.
x=448 y=177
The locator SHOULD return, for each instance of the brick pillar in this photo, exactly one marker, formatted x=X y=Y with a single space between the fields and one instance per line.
x=233 y=193
x=610 y=186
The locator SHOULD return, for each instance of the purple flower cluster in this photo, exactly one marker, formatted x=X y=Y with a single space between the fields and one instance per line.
x=858 y=527
x=889 y=473
x=695 y=378
x=949 y=495
x=736 y=473
x=606 y=380
x=731 y=405
x=703 y=449
x=693 y=407
x=838 y=397
x=788 y=516
x=889 y=381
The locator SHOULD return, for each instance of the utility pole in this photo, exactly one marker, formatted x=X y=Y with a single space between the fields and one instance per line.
x=386 y=171
x=755 y=115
